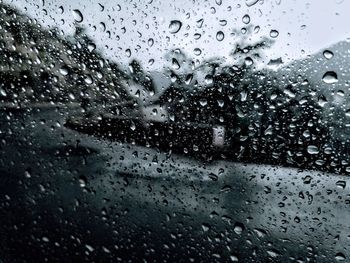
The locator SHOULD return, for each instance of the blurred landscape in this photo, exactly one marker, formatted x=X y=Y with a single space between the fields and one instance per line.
x=214 y=161
x=295 y=115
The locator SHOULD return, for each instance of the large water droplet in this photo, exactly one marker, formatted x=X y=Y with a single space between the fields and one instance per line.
x=328 y=54
x=250 y=3
x=175 y=26
x=312 y=149
x=274 y=33
x=341 y=184
x=220 y=36
x=330 y=77
x=78 y=16
x=340 y=257
x=246 y=19
x=238 y=228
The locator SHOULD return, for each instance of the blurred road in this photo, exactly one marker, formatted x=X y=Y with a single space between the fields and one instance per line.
x=69 y=197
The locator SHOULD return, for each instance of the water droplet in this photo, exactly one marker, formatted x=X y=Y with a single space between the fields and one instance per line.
x=64 y=71
x=341 y=184
x=61 y=9
x=150 y=42
x=3 y=92
x=197 y=51
x=274 y=33
x=246 y=19
x=273 y=253
x=330 y=77
x=91 y=47
x=220 y=36
x=27 y=174
x=328 y=54
x=250 y=3
x=312 y=149
x=78 y=16
x=175 y=26
x=197 y=36
x=200 y=23
x=248 y=61
x=203 y=102
x=88 y=80
x=205 y=227
x=223 y=22
x=238 y=228
x=82 y=181
x=340 y=257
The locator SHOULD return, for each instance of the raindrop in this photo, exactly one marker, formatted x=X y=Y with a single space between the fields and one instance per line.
x=312 y=149
x=341 y=184
x=78 y=16
x=203 y=102
x=205 y=227
x=250 y=3
x=197 y=51
x=347 y=113
x=82 y=181
x=64 y=71
x=27 y=174
x=274 y=33
x=340 y=257
x=223 y=22
x=197 y=36
x=200 y=23
x=61 y=9
x=175 y=26
x=328 y=54
x=246 y=19
x=248 y=61
x=238 y=228
x=91 y=47
x=150 y=42
x=220 y=36
x=175 y=64
x=330 y=77
x=273 y=253
x=218 y=2
x=88 y=80
x=3 y=92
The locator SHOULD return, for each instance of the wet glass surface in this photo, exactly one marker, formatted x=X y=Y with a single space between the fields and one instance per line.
x=174 y=131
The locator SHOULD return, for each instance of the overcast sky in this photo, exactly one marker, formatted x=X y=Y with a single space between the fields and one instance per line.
x=304 y=27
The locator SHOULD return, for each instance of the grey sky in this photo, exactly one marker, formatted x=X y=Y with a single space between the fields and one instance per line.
x=304 y=26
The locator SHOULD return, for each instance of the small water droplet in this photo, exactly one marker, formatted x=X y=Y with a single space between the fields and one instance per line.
x=78 y=16
x=220 y=36
x=175 y=26
x=330 y=77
